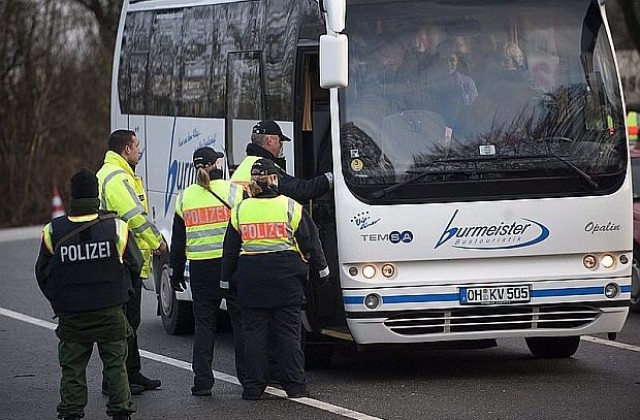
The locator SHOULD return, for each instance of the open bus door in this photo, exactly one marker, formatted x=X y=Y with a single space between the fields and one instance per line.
x=324 y=311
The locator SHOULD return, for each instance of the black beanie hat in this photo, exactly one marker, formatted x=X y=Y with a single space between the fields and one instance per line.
x=84 y=184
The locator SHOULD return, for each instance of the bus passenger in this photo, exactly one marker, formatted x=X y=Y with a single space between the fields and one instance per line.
x=397 y=81
x=199 y=224
x=426 y=45
x=266 y=142
x=263 y=263
x=453 y=90
x=511 y=93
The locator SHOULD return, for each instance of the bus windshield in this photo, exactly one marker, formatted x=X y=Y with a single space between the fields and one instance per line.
x=469 y=100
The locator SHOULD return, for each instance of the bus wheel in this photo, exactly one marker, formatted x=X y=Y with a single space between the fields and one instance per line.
x=177 y=315
x=318 y=353
x=635 y=282
x=553 y=347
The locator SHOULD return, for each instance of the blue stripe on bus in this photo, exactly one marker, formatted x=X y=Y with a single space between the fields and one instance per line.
x=441 y=297
x=450 y=297
x=572 y=291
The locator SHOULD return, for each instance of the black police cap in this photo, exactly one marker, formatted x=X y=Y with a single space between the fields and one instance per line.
x=269 y=127
x=205 y=156
x=264 y=167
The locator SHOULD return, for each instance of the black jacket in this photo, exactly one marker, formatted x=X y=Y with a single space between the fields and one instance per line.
x=275 y=279
x=94 y=278
x=301 y=190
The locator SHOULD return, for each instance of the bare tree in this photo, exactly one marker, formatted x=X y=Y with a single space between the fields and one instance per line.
x=107 y=17
x=48 y=108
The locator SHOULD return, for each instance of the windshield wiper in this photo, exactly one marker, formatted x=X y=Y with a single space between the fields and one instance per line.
x=386 y=190
x=583 y=175
x=419 y=175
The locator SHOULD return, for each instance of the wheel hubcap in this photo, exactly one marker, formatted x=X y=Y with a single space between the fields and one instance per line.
x=166 y=293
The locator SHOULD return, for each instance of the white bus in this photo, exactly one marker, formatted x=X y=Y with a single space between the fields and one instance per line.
x=481 y=167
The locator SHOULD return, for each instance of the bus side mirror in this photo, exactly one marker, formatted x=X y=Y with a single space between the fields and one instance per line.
x=334 y=58
x=336 y=12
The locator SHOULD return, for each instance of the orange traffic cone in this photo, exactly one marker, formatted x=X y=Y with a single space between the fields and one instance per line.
x=56 y=203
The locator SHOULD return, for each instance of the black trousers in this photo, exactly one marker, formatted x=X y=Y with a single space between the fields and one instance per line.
x=133 y=316
x=205 y=314
x=205 y=279
x=235 y=313
x=284 y=327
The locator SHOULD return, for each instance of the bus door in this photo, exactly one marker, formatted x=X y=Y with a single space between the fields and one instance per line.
x=313 y=151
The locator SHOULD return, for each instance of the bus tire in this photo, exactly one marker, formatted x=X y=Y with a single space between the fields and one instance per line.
x=553 y=347
x=177 y=315
x=635 y=281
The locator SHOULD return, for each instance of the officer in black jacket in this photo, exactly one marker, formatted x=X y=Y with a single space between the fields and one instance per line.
x=266 y=247
x=84 y=269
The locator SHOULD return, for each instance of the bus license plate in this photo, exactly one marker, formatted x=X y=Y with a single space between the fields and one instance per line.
x=494 y=295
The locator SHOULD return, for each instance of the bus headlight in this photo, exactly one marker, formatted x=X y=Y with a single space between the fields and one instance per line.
x=611 y=290
x=589 y=261
x=608 y=261
x=353 y=271
x=369 y=271
x=372 y=301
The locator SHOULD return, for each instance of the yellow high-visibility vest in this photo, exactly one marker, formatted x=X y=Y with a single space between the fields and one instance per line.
x=122 y=192
x=632 y=126
x=242 y=175
x=267 y=224
x=206 y=218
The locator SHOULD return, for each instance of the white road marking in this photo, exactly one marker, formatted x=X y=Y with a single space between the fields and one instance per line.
x=610 y=343
x=311 y=402
x=21 y=233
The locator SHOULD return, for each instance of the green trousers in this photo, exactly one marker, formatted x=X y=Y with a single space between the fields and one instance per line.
x=74 y=358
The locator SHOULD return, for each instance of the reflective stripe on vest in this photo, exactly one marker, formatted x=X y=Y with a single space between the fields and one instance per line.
x=267 y=224
x=206 y=218
x=632 y=126
x=128 y=215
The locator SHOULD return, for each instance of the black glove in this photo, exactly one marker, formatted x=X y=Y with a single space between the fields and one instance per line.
x=177 y=283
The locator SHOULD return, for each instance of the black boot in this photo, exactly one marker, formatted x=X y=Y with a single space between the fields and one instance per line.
x=139 y=379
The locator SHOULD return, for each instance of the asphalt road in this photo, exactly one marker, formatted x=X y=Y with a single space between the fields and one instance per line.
x=600 y=382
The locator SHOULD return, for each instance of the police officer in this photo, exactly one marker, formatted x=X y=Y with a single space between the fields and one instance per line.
x=84 y=268
x=266 y=142
x=122 y=192
x=265 y=262
x=201 y=218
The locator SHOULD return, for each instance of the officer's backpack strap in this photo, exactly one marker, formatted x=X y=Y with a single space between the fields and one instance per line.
x=87 y=225
x=218 y=197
